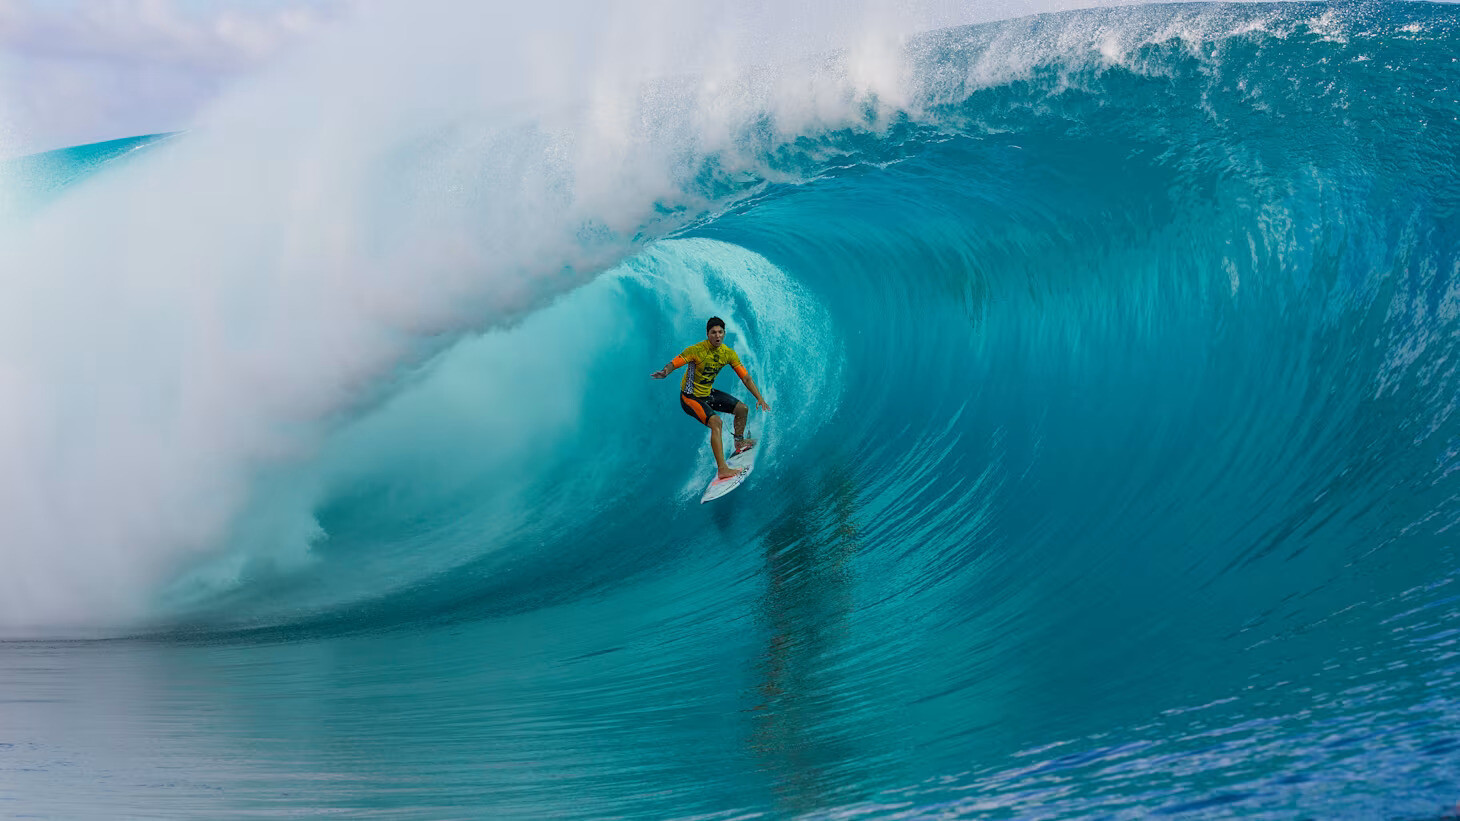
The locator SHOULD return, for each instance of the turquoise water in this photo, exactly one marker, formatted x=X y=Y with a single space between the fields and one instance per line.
x=1110 y=475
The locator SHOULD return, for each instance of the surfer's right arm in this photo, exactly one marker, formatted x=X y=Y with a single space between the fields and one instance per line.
x=665 y=371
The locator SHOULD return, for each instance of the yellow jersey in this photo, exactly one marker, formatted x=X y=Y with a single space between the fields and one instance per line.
x=704 y=365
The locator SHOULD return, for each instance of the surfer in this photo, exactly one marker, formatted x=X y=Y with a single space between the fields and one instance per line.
x=698 y=397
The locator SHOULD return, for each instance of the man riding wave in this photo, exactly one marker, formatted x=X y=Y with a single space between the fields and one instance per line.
x=698 y=397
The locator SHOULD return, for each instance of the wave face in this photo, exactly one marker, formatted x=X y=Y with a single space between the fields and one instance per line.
x=1111 y=470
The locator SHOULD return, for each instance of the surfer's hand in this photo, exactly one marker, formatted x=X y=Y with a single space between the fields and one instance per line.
x=658 y=375
x=765 y=406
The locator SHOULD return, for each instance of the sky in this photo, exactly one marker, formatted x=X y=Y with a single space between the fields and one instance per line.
x=80 y=71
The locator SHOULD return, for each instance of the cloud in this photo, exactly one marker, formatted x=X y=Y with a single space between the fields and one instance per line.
x=73 y=72
x=156 y=31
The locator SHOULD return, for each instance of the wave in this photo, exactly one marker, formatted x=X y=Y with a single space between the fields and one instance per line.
x=1146 y=288
x=1112 y=358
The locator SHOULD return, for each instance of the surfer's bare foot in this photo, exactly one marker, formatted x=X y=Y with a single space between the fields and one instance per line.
x=726 y=473
x=742 y=445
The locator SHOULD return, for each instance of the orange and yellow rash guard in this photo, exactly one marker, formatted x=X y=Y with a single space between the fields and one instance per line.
x=704 y=366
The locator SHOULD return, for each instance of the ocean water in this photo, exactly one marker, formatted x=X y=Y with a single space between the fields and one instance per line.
x=1111 y=471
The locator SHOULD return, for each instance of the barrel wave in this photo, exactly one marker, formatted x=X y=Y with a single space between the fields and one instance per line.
x=1111 y=471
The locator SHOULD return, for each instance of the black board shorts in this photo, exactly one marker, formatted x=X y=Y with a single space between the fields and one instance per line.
x=700 y=407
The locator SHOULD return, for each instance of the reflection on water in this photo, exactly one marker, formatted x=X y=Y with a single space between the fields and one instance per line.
x=801 y=735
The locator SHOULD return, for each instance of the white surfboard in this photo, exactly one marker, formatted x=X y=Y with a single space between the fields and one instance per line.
x=720 y=487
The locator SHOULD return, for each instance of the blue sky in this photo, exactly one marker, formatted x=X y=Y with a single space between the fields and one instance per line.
x=76 y=71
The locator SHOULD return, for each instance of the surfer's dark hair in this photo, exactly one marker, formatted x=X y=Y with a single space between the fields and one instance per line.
x=714 y=320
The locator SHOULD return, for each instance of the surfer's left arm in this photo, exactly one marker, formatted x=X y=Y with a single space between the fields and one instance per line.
x=744 y=374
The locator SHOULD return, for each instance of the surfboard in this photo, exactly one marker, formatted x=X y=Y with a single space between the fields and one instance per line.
x=720 y=487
